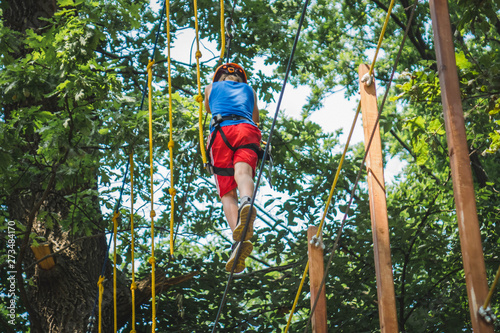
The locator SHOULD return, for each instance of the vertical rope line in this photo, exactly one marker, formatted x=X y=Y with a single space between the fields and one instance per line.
x=492 y=288
x=171 y=142
x=133 y=286
x=115 y=231
x=101 y=292
x=222 y=31
x=153 y=214
x=199 y=97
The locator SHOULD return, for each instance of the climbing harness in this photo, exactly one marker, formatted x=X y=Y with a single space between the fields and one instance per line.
x=216 y=124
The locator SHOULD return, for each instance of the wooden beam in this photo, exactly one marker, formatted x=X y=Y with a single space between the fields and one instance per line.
x=463 y=187
x=378 y=208
x=316 y=272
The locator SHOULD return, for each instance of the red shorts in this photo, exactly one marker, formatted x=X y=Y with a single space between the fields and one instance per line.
x=223 y=157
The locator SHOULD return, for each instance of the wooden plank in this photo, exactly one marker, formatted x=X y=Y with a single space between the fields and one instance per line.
x=463 y=187
x=316 y=272
x=378 y=208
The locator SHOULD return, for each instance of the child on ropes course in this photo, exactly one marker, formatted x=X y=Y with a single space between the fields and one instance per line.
x=233 y=149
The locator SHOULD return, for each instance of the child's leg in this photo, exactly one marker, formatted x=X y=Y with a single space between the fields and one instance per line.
x=230 y=206
x=243 y=177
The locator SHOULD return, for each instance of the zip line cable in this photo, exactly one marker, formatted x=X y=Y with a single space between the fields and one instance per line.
x=323 y=281
x=320 y=228
x=252 y=202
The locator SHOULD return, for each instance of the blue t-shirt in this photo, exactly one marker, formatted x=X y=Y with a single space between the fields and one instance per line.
x=232 y=98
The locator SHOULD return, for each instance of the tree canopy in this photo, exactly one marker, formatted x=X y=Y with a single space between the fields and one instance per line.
x=72 y=80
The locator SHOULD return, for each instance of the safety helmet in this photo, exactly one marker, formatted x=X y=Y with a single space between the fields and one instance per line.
x=230 y=68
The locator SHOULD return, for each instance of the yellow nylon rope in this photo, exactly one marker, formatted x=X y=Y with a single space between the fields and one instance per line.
x=340 y=164
x=492 y=288
x=153 y=214
x=222 y=30
x=116 y=215
x=199 y=97
x=171 y=142
x=101 y=291
x=133 y=285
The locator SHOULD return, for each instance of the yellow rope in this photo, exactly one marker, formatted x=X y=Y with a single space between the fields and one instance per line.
x=133 y=286
x=493 y=286
x=171 y=142
x=101 y=291
x=153 y=214
x=199 y=97
x=116 y=215
x=222 y=30
x=334 y=184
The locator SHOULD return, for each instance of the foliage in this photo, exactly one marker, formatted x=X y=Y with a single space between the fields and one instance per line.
x=71 y=93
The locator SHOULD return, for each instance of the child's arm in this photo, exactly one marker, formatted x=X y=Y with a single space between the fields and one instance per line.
x=208 y=89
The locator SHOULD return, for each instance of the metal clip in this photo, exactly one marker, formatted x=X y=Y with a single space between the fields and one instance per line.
x=367 y=79
x=317 y=242
x=487 y=314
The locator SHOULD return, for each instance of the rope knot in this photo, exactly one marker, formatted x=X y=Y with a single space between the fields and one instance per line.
x=150 y=64
x=100 y=281
x=198 y=54
x=152 y=214
x=172 y=191
x=116 y=215
x=171 y=144
x=133 y=286
x=199 y=98
x=152 y=260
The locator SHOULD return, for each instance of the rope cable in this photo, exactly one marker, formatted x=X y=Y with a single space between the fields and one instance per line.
x=199 y=97
x=101 y=292
x=334 y=184
x=492 y=288
x=252 y=202
x=171 y=141
x=152 y=214
x=115 y=231
x=358 y=177
x=133 y=285
x=222 y=32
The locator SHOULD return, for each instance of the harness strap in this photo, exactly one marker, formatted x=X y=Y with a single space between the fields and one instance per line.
x=215 y=122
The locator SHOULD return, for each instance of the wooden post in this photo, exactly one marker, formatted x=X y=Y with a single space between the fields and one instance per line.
x=316 y=272
x=378 y=208
x=463 y=187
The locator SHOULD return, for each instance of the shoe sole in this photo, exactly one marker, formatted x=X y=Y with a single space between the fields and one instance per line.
x=247 y=248
x=243 y=220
